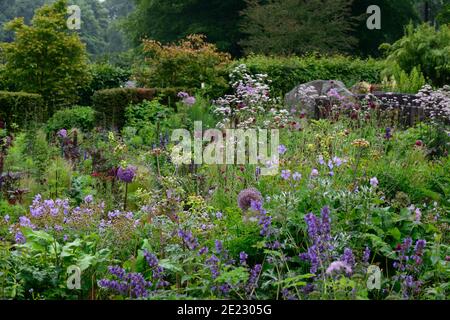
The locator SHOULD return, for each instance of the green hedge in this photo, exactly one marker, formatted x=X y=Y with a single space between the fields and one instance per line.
x=288 y=72
x=110 y=104
x=21 y=108
x=79 y=117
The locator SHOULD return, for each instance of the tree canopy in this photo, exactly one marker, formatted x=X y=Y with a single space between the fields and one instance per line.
x=55 y=65
x=297 y=26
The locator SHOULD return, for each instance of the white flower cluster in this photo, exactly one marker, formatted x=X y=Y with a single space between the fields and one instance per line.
x=436 y=104
x=250 y=101
x=307 y=96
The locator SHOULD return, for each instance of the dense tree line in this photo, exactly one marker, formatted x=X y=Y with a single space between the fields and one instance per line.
x=100 y=27
x=241 y=26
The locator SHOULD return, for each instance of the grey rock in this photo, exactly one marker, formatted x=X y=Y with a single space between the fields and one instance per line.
x=304 y=96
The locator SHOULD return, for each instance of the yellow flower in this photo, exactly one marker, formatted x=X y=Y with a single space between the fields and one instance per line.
x=361 y=143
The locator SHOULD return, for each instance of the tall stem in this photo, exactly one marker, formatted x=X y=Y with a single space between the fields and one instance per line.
x=126 y=197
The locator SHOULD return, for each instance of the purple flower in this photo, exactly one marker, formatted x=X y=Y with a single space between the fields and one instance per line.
x=188 y=239
x=213 y=264
x=182 y=95
x=89 y=199
x=366 y=255
x=219 y=215
x=337 y=161
x=330 y=164
x=339 y=266
x=286 y=174
x=62 y=133
x=319 y=234
x=219 y=246
x=126 y=174
x=388 y=134
x=243 y=258
x=314 y=173
x=253 y=279
x=297 y=176
x=374 y=182
x=418 y=215
x=348 y=257
x=333 y=93
x=282 y=149
x=26 y=222
x=19 y=237
x=256 y=206
x=6 y=218
x=189 y=101
x=203 y=251
x=131 y=284
x=246 y=197
x=151 y=259
x=321 y=160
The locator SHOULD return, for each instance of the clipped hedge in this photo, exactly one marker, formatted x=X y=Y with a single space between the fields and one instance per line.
x=21 y=108
x=288 y=72
x=110 y=104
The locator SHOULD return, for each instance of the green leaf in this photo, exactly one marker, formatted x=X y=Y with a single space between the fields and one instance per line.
x=395 y=233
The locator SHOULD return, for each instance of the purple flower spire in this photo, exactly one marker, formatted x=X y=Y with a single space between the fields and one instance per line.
x=348 y=257
x=366 y=255
x=243 y=258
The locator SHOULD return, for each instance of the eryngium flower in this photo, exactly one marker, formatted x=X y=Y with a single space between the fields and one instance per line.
x=246 y=197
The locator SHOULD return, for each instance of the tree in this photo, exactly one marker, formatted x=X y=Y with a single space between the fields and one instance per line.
x=171 y=20
x=394 y=16
x=45 y=57
x=116 y=38
x=95 y=21
x=425 y=48
x=297 y=26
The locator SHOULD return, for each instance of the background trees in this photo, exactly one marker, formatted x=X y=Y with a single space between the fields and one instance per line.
x=297 y=26
x=45 y=57
x=169 y=20
x=111 y=27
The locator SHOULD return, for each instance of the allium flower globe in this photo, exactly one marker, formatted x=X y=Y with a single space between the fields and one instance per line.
x=246 y=197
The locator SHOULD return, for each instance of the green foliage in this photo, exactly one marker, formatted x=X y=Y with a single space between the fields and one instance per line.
x=171 y=20
x=286 y=73
x=110 y=104
x=55 y=66
x=21 y=108
x=104 y=76
x=82 y=118
x=189 y=63
x=444 y=15
x=41 y=264
x=400 y=81
x=423 y=47
x=285 y=27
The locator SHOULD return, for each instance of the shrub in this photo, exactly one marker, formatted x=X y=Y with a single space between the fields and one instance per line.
x=423 y=47
x=77 y=117
x=288 y=72
x=188 y=63
x=104 y=76
x=401 y=81
x=21 y=108
x=110 y=104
